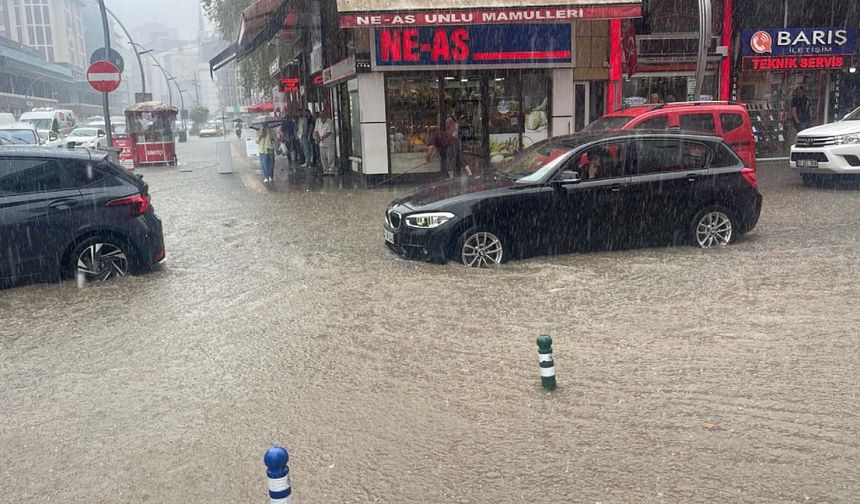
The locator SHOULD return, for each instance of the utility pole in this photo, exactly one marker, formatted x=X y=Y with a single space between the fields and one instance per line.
x=105 y=100
x=196 y=89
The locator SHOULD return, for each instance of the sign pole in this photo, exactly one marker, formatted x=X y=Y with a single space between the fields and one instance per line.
x=105 y=99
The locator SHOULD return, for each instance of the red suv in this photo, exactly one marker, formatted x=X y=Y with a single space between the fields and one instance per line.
x=731 y=121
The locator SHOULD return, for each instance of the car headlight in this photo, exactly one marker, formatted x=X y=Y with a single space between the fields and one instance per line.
x=428 y=220
x=851 y=139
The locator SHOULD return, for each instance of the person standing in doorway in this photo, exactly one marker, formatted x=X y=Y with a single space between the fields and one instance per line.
x=307 y=121
x=450 y=150
x=267 y=153
x=324 y=135
x=800 y=113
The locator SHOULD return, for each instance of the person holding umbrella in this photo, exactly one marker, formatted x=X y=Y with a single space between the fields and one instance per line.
x=266 y=143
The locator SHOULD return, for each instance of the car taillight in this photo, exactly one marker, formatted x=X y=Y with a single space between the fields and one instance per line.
x=137 y=204
x=749 y=175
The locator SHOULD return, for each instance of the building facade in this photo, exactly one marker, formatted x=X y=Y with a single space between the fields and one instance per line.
x=53 y=27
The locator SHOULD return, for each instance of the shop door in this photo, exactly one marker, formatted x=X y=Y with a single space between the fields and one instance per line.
x=581 y=105
x=463 y=98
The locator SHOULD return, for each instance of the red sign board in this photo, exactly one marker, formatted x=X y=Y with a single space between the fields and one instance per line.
x=104 y=76
x=798 y=62
x=630 y=49
x=289 y=84
x=487 y=16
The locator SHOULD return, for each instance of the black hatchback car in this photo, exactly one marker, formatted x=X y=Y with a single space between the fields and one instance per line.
x=73 y=212
x=608 y=191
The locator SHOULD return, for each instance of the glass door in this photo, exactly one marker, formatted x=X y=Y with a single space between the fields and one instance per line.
x=463 y=98
x=581 y=105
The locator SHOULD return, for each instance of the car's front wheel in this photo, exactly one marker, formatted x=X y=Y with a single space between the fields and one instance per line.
x=714 y=226
x=482 y=248
x=99 y=259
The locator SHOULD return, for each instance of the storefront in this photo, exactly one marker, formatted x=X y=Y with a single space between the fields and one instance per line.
x=510 y=77
x=777 y=64
x=341 y=81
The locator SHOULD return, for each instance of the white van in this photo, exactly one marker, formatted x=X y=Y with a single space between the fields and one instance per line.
x=58 y=121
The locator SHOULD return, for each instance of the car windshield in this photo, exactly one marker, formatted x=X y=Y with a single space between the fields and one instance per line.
x=853 y=116
x=84 y=132
x=533 y=164
x=18 y=137
x=40 y=123
x=608 y=123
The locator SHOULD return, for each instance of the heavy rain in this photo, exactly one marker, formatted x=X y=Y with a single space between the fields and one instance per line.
x=283 y=248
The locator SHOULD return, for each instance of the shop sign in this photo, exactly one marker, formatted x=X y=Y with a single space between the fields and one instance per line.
x=458 y=16
x=275 y=67
x=362 y=63
x=783 y=63
x=798 y=41
x=481 y=45
x=341 y=70
x=289 y=84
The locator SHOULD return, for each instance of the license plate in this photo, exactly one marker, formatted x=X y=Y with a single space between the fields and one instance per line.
x=807 y=163
x=389 y=236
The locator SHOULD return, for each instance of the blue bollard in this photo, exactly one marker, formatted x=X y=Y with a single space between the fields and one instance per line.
x=278 y=472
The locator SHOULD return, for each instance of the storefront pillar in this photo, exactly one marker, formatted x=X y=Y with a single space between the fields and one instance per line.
x=562 y=101
x=374 y=134
x=613 y=91
x=726 y=41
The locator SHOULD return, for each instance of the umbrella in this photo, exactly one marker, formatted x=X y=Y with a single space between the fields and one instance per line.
x=265 y=121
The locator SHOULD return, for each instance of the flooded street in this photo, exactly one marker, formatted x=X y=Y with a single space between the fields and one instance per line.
x=685 y=375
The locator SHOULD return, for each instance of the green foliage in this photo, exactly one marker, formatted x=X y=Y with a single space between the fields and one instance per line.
x=227 y=17
x=199 y=115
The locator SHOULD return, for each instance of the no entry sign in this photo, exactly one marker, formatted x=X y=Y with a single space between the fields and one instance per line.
x=103 y=76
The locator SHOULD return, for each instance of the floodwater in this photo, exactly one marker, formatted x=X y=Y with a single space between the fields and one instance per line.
x=684 y=375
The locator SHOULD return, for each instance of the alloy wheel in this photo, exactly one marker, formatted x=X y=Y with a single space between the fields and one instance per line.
x=102 y=261
x=482 y=249
x=714 y=229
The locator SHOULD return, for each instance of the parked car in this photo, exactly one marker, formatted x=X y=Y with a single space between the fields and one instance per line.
x=609 y=190
x=730 y=121
x=828 y=150
x=66 y=211
x=211 y=129
x=91 y=138
x=19 y=133
x=50 y=138
x=59 y=121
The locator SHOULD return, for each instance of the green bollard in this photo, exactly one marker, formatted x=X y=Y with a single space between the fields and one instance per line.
x=547 y=365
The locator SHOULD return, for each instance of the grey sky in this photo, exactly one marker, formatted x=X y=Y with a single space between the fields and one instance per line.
x=181 y=15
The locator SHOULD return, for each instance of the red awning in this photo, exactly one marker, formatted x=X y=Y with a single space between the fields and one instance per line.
x=261 y=107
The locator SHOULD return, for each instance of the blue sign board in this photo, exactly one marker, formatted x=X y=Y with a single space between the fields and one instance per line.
x=484 y=45
x=797 y=42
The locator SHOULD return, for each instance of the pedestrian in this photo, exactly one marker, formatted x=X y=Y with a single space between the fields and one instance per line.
x=288 y=130
x=800 y=113
x=238 y=128
x=266 y=144
x=324 y=136
x=450 y=150
x=307 y=122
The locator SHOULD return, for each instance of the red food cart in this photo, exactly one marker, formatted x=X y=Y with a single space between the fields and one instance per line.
x=150 y=133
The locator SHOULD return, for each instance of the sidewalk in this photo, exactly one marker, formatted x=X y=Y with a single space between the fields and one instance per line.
x=289 y=177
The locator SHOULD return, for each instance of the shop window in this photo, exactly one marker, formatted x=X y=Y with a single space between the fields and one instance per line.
x=697 y=122
x=463 y=98
x=535 y=108
x=354 y=118
x=412 y=110
x=730 y=122
x=504 y=117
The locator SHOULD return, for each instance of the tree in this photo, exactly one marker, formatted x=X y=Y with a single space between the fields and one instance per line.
x=227 y=16
x=199 y=115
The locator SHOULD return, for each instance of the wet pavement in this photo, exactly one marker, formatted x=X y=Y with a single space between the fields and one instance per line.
x=279 y=317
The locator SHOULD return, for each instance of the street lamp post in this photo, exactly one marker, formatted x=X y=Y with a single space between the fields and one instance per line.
x=704 y=43
x=105 y=101
x=134 y=47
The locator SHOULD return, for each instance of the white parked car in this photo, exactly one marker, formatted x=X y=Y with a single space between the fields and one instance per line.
x=830 y=149
x=91 y=138
x=19 y=133
x=50 y=138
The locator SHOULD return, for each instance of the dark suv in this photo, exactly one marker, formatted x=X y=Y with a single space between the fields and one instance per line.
x=609 y=190
x=73 y=212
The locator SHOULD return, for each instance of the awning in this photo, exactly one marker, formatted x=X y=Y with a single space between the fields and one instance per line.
x=261 y=107
x=222 y=58
x=261 y=21
x=359 y=13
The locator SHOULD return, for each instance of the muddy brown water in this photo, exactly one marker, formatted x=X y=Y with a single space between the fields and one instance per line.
x=282 y=318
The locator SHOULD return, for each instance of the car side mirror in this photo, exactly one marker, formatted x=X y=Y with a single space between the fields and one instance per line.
x=566 y=177
x=101 y=133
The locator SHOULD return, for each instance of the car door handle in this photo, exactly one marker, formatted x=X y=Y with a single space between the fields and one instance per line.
x=693 y=177
x=617 y=187
x=63 y=204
